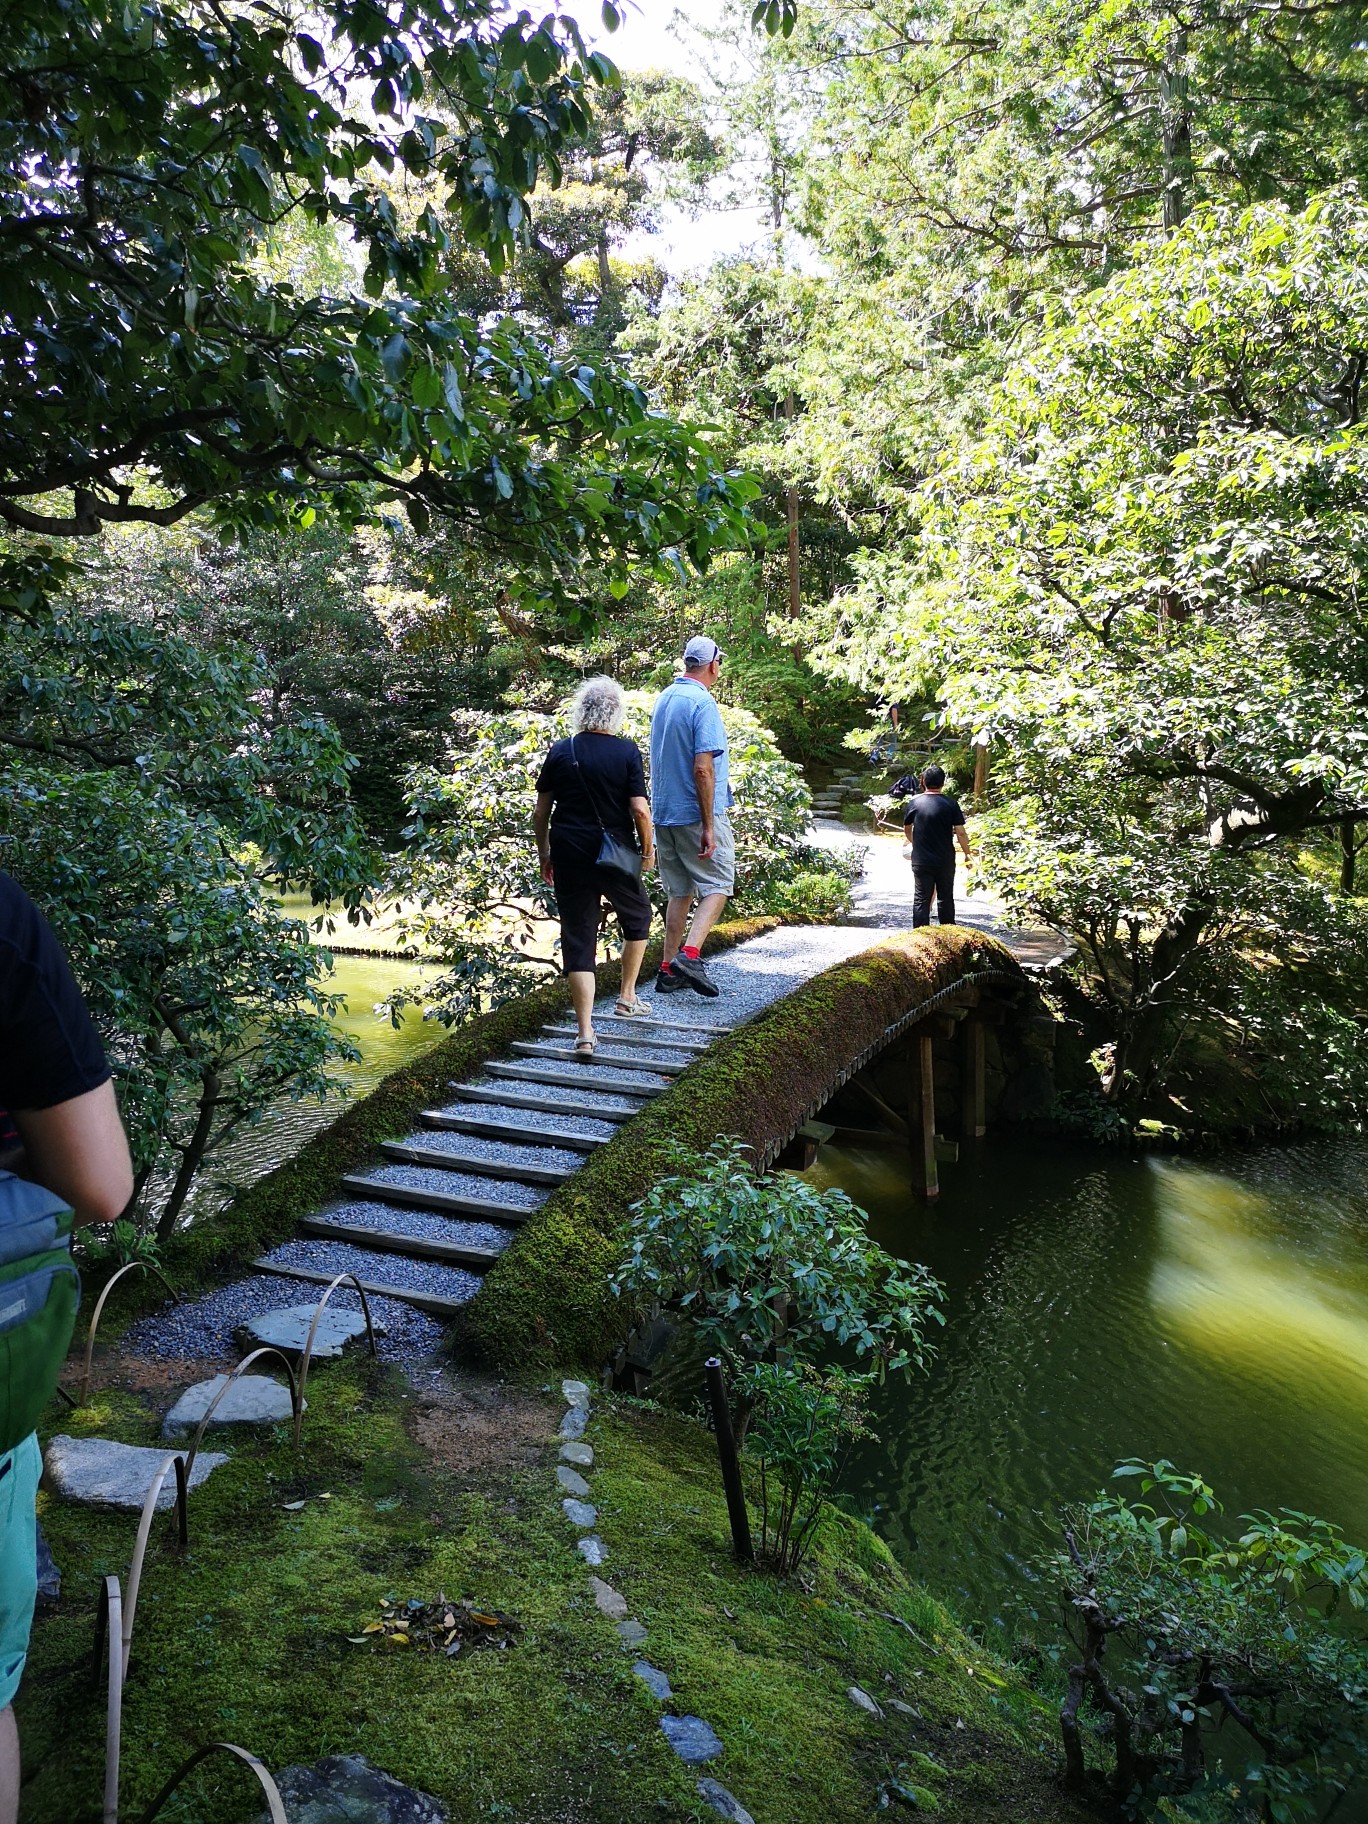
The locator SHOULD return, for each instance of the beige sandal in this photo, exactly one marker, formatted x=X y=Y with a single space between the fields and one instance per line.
x=585 y=1048
x=629 y=1010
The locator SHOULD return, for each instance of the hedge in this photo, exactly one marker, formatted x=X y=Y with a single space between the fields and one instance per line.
x=548 y=1298
x=265 y=1213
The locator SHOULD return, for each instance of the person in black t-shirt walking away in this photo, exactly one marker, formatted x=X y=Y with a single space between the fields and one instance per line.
x=933 y=824
x=589 y=787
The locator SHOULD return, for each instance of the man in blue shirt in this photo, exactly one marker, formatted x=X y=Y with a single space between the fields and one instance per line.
x=690 y=799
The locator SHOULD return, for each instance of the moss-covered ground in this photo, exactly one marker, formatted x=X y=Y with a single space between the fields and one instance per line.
x=247 y=1638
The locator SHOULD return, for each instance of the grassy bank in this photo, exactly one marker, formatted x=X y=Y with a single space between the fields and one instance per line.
x=452 y=1490
x=548 y=1297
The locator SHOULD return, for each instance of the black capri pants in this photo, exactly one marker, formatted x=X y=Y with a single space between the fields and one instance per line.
x=581 y=889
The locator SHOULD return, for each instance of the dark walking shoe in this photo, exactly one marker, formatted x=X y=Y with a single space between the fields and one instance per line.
x=695 y=975
x=667 y=983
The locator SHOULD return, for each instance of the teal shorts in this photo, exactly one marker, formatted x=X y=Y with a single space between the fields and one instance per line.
x=20 y=1469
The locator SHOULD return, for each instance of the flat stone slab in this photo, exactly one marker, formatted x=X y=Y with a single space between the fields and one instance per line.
x=693 y=1740
x=593 y=1550
x=655 y=1681
x=607 y=1600
x=581 y=1455
x=574 y=1422
x=100 y=1473
x=252 y=1399
x=863 y=1701
x=631 y=1633
x=724 y=1803
x=572 y=1481
x=575 y=1392
x=287 y=1329
x=345 y=1789
x=579 y=1513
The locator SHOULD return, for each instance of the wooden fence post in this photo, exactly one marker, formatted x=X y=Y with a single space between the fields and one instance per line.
x=973 y=1116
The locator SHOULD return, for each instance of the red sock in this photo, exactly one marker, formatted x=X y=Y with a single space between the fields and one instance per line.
x=664 y=968
x=689 y=950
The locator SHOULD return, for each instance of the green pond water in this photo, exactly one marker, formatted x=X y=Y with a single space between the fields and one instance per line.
x=1100 y=1307
x=364 y=981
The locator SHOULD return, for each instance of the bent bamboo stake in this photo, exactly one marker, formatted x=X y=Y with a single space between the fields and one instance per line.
x=109 y=1628
x=296 y=1397
x=135 y=1569
x=275 y=1807
x=307 y=1356
x=148 y=1267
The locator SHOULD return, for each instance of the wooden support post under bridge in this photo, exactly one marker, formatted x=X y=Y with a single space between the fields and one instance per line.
x=973 y=1097
x=921 y=1118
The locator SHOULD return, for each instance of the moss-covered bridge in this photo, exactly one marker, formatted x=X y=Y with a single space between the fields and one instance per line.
x=490 y=1183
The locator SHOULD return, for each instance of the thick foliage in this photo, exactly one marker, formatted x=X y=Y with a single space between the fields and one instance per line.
x=1141 y=581
x=147 y=154
x=1238 y=1634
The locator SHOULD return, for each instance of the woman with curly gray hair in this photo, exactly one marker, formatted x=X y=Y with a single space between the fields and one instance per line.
x=592 y=812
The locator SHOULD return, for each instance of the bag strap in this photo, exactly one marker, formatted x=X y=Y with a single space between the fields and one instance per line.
x=585 y=783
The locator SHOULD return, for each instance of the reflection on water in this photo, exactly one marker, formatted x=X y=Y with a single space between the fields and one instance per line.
x=284 y=1129
x=1102 y=1307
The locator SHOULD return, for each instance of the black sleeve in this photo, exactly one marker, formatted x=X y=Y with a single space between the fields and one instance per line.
x=636 y=772
x=959 y=814
x=549 y=776
x=49 y=1049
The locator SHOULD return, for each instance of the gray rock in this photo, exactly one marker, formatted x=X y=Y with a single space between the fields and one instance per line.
x=608 y=1600
x=345 y=1789
x=863 y=1701
x=592 y=1550
x=99 y=1473
x=693 y=1740
x=574 y=1422
x=572 y=1481
x=631 y=1633
x=253 y=1399
x=580 y=1513
x=654 y=1680
x=287 y=1329
x=575 y=1393
x=724 y=1803
x=581 y=1455
x=896 y=1703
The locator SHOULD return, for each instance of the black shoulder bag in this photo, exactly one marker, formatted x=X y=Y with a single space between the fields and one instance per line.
x=612 y=853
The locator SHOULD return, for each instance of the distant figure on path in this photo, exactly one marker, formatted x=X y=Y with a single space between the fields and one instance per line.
x=589 y=787
x=690 y=799
x=934 y=824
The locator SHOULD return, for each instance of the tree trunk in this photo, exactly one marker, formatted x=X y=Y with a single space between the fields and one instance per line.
x=795 y=597
x=1348 y=851
x=605 y=274
x=196 y=1147
x=1175 y=115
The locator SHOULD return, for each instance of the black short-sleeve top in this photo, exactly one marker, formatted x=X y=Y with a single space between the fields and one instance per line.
x=592 y=787
x=49 y=1048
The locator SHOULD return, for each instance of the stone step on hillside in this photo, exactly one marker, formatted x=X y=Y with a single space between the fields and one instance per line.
x=447 y=1193
x=636 y=1041
x=549 y=1098
x=543 y=1165
x=432 y=1286
x=591 y=1076
x=391 y=1227
x=503 y=1121
x=668 y=1063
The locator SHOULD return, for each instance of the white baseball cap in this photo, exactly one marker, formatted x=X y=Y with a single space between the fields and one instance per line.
x=701 y=650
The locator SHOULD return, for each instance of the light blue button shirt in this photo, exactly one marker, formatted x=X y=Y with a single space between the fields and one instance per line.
x=685 y=722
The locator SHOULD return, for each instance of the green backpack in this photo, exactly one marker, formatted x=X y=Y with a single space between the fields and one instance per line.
x=39 y=1292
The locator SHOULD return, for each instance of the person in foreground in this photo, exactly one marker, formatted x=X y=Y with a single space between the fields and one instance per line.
x=592 y=786
x=55 y=1083
x=690 y=799
x=933 y=824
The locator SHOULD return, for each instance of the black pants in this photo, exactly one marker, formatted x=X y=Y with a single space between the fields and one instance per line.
x=938 y=882
x=580 y=893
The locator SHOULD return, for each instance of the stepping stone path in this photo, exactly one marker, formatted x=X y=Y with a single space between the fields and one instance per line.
x=252 y=1399
x=288 y=1331
x=100 y=1473
x=693 y=1739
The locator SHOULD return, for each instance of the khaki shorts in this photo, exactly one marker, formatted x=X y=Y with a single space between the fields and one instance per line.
x=683 y=872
